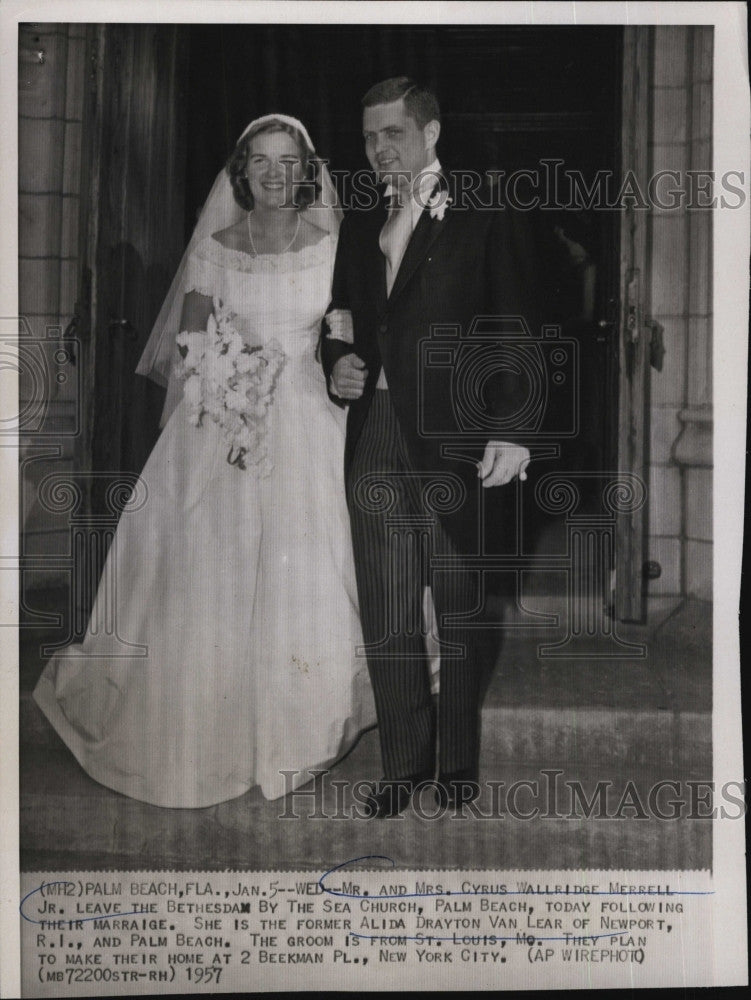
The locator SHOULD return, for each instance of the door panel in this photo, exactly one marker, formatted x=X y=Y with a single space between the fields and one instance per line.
x=137 y=228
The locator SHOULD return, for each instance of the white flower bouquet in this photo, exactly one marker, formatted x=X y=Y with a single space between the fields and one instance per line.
x=232 y=383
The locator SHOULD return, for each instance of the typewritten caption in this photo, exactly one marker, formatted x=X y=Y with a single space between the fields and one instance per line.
x=169 y=932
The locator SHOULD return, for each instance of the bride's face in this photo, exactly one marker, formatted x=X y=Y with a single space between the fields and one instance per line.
x=274 y=167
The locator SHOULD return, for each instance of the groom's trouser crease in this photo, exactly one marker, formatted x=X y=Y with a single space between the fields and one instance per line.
x=397 y=659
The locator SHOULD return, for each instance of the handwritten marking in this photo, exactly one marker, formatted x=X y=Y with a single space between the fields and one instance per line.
x=490 y=892
x=55 y=918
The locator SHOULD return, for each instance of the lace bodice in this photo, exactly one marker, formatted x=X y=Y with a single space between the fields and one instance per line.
x=274 y=296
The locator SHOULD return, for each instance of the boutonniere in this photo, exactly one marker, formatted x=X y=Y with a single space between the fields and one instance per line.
x=438 y=205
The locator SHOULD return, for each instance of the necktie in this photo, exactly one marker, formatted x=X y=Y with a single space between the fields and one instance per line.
x=395 y=236
x=393 y=241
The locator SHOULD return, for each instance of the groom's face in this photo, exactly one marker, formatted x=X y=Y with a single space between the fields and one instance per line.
x=394 y=143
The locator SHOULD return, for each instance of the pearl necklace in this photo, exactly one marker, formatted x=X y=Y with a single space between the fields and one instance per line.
x=253 y=246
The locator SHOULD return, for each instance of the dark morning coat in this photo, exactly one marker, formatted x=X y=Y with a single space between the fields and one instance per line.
x=474 y=262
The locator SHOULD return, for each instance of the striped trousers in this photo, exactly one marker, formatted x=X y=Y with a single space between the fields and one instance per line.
x=394 y=535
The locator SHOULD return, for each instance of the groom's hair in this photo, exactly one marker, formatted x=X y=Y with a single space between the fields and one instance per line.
x=419 y=102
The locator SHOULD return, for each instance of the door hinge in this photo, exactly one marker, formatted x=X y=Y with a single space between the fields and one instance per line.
x=633 y=306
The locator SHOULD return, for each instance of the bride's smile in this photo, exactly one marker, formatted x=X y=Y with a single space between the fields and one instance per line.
x=274 y=170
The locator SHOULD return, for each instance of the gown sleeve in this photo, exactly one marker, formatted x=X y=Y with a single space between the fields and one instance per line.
x=201 y=272
x=200 y=276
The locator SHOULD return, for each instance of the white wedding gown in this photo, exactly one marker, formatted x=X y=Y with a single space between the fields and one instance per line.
x=240 y=591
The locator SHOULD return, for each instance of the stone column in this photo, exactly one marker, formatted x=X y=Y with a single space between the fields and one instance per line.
x=680 y=300
x=692 y=451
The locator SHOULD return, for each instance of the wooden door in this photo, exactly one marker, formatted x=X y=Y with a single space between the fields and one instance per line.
x=633 y=421
x=137 y=129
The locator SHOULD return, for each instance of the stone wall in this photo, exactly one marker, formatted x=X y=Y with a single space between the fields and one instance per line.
x=52 y=77
x=680 y=299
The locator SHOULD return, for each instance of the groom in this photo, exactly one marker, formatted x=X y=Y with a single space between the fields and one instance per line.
x=401 y=269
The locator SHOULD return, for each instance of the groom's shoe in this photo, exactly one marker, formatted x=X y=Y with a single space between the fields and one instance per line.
x=455 y=788
x=393 y=795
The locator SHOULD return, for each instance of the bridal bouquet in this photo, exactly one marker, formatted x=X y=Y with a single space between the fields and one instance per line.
x=233 y=384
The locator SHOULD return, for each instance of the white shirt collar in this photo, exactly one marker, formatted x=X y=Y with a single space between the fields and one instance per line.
x=426 y=179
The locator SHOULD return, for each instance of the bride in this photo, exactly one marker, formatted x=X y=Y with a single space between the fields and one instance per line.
x=235 y=589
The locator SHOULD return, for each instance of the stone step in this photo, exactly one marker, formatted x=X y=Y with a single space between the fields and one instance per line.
x=69 y=822
x=641 y=720
x=542 y=737
x=33 y=727
x=621 y=712
x=625 y=738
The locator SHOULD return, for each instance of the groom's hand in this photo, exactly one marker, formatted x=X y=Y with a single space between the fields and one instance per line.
x=501 y=462
x=348 y=377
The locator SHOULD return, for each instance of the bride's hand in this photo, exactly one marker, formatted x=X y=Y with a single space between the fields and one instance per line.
x=348 y=377
x=339 y=322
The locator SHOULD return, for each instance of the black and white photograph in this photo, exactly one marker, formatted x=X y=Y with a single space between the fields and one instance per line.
x=366 y=379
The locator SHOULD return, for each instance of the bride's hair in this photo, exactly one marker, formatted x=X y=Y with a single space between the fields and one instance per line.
x=305 y=191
